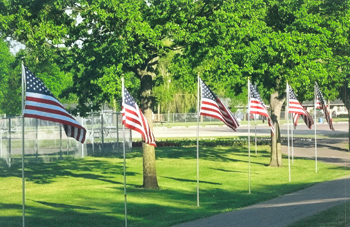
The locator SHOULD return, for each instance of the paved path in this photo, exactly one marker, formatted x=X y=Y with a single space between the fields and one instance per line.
x=341 y=129
x=287 y=209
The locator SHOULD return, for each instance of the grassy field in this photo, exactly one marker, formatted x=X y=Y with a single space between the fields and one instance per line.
x=336 y=216
x=90 y=191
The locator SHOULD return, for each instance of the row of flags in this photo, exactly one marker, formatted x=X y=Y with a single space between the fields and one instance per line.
x=40 y=103
x=212 y=106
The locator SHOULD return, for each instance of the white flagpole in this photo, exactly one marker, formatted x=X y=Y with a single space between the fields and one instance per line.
x=125 y=195
x=315 y=115
x=23 y=149
x=198 y=87
x=292 y=130
x=256 y=143
x=249 y=135
x=288 y=132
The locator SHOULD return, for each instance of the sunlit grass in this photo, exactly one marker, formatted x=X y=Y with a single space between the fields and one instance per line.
x=336 y=216
x=90 y=191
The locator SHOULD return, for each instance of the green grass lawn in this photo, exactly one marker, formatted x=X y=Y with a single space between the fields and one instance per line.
x=90 y=191
x=336 y=216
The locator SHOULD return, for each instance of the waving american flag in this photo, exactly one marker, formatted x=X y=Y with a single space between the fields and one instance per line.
x=212 y=106
x=134 y=119
x=320 y=103
x=41 y=104
x=298 y=110
x=257 y=106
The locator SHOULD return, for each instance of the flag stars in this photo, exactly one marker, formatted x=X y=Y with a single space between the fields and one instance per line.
x=256 y=95
x=35 y=85
x=128 y=99
x=207 y=93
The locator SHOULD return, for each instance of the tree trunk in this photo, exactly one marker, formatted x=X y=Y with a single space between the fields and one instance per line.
x=149 y=155
x=344 y=95
x=276 y=151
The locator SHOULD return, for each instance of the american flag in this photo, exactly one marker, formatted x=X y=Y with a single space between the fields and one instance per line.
x=322 y=105
x=133 y=118
x=307 y=119
x=41 y=104
x=298 y=110
x=257 y=106
x=318 y=103
x=295 y=119
x=211 y=106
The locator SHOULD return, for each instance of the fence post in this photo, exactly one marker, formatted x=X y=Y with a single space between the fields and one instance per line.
x=102 y=138
x=67 y=145
x=82 y=145
x=61 y=155
x=92 y=134
x=130 y=139
x=9 y=159
x=36 y=140
x=117 y=128
x=1 y=142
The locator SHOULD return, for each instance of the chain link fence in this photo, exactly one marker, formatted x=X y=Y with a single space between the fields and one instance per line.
x=241 y=115
x=46 y=141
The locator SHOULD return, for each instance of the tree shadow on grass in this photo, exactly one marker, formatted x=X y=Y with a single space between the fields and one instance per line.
x=206 y=153
x=188 y=180
x=64 y=206
x=161 y=208
x=45 y=173
x=341 y=163
x=57 y=216
x=217 y=153
x=228 y=171
x=332 y=144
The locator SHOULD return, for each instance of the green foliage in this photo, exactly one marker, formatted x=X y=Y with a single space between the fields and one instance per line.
x=52 y=76
x=224 y=41
x=271 y=41
x=10 y=82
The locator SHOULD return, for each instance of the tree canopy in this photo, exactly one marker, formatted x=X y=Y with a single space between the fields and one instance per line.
x=10 y=96
x=152 y=42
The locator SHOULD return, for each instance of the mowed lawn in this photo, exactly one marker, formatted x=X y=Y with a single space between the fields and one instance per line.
x=90 y=191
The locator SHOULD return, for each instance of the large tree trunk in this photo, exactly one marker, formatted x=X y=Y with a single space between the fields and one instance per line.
x=347 y=104
x=344 y=95
x=276 y=151
x=149 y=156
x=349 y=129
